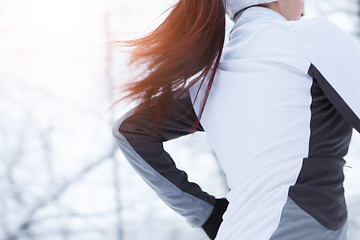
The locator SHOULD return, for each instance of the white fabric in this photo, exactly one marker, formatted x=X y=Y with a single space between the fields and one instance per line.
x=258 y=113
x=234 y=6
x=257 y=120
x=335 y=54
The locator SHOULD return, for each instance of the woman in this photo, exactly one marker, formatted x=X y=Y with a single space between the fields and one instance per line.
x=278 y=103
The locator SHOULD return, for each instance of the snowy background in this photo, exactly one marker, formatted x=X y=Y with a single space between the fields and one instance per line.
x=61 y=174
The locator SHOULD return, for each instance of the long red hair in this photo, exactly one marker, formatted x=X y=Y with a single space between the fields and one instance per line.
x=189 y=42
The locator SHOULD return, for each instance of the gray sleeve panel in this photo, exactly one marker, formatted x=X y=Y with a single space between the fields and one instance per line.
x=144 y=150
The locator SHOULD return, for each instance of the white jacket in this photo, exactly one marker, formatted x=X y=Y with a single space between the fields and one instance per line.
x=279 y=117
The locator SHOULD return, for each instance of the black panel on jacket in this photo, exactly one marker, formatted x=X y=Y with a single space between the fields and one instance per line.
x=137 y=129
x=319 y=188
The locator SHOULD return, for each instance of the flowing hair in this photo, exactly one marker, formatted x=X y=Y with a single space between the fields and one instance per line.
x=187 y=44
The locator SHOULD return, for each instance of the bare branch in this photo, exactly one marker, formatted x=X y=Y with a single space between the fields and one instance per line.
x=28 y=221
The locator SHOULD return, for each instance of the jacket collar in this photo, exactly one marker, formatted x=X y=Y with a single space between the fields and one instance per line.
x=258 y=11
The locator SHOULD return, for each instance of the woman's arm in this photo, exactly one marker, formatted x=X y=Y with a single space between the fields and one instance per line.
x=144 y=150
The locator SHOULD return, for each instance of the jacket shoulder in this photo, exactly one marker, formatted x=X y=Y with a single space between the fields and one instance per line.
x=320 y=37
x=335 y=57
x=275 y=44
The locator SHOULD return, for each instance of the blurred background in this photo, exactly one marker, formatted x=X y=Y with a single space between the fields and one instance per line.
x=62 y=177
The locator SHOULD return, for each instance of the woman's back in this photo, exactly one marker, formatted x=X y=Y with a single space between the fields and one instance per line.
x=271 y=126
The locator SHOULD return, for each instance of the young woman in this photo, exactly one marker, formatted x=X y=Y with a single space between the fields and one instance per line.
x=278 y=103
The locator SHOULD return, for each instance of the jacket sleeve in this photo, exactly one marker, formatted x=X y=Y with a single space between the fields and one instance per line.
x=144 y=150
x=334 y=57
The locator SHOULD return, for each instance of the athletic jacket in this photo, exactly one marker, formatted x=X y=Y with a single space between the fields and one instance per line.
x=279 y=117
